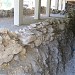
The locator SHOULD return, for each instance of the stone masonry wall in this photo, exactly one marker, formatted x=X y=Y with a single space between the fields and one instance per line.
x=38 y=49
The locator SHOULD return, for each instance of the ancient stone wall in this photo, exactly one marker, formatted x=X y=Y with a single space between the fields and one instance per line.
x=38 y=49
x=26 y=11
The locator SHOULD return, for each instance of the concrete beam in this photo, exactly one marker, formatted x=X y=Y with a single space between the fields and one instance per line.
x=18 y=12
x=37 y=9
x=48 y=8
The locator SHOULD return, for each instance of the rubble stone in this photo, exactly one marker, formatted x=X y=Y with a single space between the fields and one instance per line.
x=45 y=23
x=3 y=30
x=36 y=49
x=1 y=40
x=28 y=39
x=33 y=25
x=38 y=41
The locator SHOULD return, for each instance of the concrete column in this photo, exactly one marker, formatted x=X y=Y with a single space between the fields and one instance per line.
x=60 y=4
x=48 y=8
x=37 y=9
x=18 y=12
x=56 y=4
x=64 y=4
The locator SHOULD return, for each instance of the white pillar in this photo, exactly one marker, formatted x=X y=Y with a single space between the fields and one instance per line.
x=56 y=4
x=18 y=12
x=60 y=4
x=37 y=9
x=64 y=4
x=48 y=8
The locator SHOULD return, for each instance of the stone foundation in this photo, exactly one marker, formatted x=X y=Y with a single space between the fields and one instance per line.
x=39 y=49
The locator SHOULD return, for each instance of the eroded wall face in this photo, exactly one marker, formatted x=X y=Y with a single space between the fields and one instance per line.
x=39 y=49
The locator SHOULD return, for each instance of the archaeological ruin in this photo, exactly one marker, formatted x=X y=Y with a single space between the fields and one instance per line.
x=38 y=41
